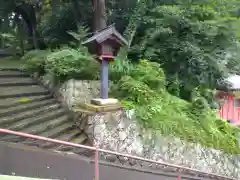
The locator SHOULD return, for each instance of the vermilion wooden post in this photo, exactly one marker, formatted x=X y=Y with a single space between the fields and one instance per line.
x=96 y=164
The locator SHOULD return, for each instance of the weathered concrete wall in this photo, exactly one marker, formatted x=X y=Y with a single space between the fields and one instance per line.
x=120 y=131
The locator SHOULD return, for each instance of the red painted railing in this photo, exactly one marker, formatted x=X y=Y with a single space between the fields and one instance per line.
x=97 y=150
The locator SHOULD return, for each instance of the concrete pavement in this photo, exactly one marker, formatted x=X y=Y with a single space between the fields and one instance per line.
x=32 y=162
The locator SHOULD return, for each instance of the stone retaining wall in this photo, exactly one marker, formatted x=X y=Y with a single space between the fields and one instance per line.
x=71 y=92
x=120 y=131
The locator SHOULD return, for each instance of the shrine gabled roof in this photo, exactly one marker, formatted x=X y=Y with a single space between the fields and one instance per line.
x=104 y=34
x=234 y=81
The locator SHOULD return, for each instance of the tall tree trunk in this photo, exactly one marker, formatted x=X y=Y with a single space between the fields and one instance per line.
x=4 y=28
x=27 y=11
x=135 y=20
x=139 y=11
x=99 y=15
x=76 y=11
x=54 y=4
x=1 y=31
x=29 y=35
x=34 y=35
x=20 y=33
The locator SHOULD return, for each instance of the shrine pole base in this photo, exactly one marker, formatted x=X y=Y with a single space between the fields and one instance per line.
x=104 y=102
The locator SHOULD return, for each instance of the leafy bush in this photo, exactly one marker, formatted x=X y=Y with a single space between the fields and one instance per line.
x=189 y=42
x=68 y=63
x=63 y=64
x=149 y=73
x=142 y=89
x=35 y=61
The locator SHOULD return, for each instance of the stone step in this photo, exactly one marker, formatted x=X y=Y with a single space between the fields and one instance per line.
x=10 y=69
x=67 y=136
x=46 y=126
x=78 y=139
x=10 y=102
x=6 y=121
x=16 y=81
x=11 y=74
x=64 y=127
x=22 y=91
x=25 y=123
x=58 y=130
x=26 y=107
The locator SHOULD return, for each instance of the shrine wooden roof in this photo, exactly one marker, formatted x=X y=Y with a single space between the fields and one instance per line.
x=104 y=34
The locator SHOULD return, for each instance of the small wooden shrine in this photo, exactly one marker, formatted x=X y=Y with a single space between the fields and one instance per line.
x=105 y=44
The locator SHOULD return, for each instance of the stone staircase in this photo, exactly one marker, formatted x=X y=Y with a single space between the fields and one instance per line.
x=28 y=107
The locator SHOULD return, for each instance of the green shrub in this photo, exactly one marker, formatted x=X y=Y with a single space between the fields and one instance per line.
x=68 y=63
x=149 y=73
x=63 y=64
x=35 y=61
x=130 y=89
x=142 y=89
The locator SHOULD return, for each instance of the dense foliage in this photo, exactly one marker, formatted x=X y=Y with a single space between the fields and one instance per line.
x=63 y=64
x=188 y=47
x=167 y=114
x=142 y=87
x=189 y=43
